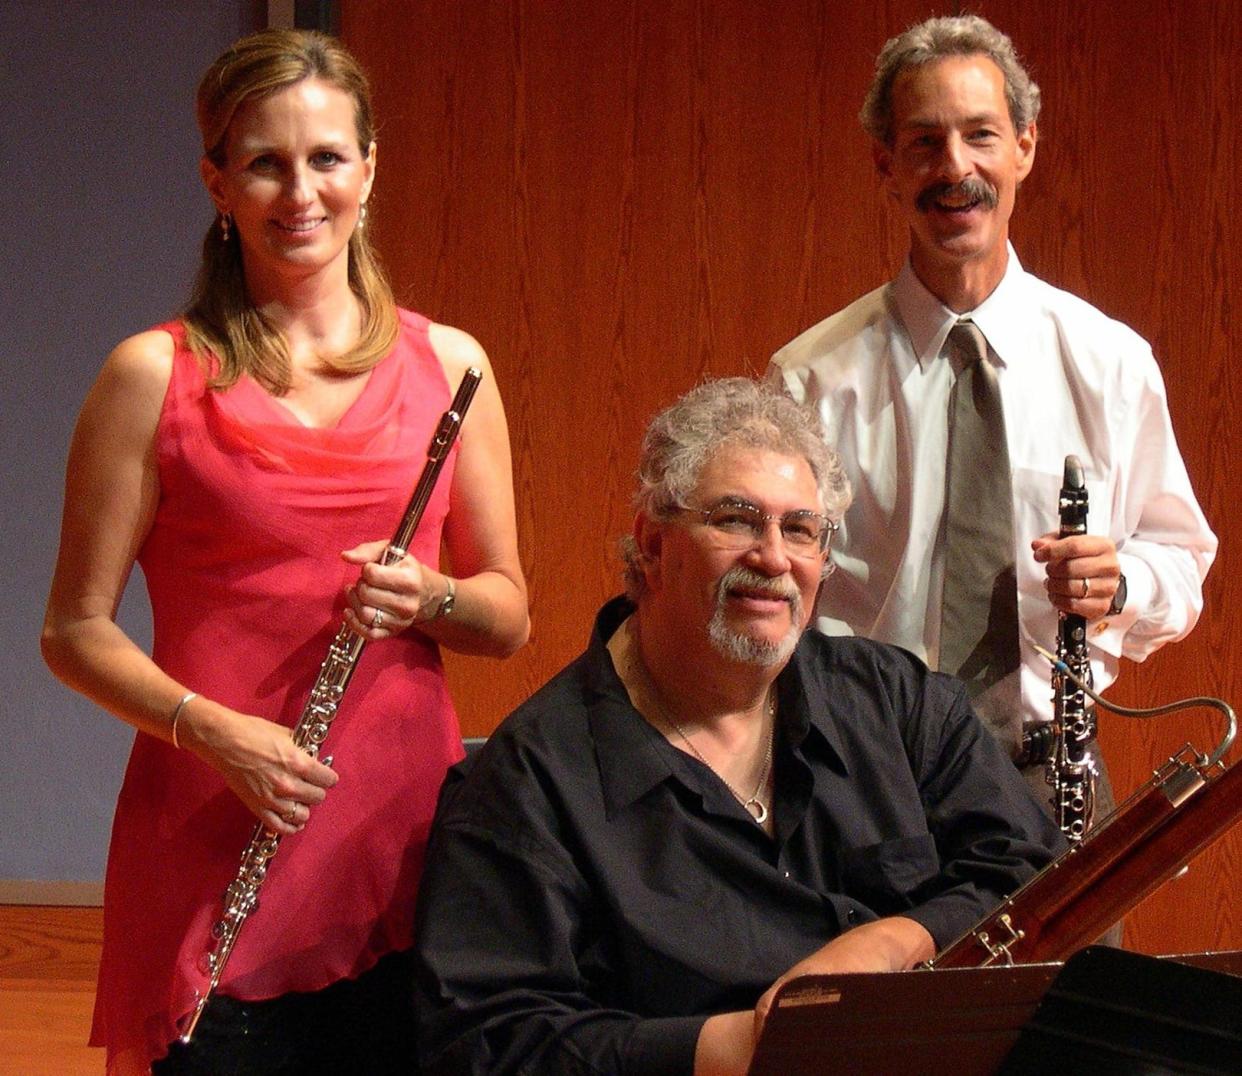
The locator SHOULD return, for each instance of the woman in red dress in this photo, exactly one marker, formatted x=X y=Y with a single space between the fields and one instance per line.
x=253 y=457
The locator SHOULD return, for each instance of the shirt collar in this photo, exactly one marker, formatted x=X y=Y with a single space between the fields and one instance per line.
x=627 y=748
x=1002 y=317
x=806 y=677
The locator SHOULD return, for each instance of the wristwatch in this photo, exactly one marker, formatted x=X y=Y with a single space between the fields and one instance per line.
x=446 y=603
x=1119 y=597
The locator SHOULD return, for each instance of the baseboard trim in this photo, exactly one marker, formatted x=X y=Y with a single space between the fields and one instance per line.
x=63 y=894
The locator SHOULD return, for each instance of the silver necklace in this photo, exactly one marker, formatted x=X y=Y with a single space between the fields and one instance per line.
x=752 y=804
x=631 y=659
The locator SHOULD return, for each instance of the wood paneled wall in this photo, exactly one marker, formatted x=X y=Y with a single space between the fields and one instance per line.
x=620 y=198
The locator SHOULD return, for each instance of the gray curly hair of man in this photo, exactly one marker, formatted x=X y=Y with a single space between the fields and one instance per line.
x=683 y=437
x=935 y=39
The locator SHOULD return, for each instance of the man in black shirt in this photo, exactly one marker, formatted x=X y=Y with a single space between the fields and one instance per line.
x=708 y=800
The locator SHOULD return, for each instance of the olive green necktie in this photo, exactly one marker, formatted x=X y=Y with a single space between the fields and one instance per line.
x=979 y=619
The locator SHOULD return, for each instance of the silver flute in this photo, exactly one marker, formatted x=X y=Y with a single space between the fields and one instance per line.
x=1070 y=770
x=241 y=898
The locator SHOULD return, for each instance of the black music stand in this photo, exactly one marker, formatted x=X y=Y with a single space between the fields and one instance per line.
x=1106 y=1011
x=1114 y=1013
x=956 y=1022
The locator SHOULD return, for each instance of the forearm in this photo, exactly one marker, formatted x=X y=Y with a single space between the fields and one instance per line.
x=725 y=1045
x=895 y=943
x=902 y=942
x=480 y=533
x=256 y=758
x=489 y=614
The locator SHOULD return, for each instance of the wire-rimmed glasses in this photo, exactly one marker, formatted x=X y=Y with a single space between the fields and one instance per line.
x=738 y=524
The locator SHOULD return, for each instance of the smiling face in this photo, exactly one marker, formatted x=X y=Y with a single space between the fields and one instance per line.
x=953 y=169
x=293 y=180
x=750 y=605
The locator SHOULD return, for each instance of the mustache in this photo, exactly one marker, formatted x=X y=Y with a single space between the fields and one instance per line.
x=973 y=188
x=739 y=576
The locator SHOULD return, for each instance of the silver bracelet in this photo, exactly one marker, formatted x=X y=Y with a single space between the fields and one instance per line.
x=176 y=714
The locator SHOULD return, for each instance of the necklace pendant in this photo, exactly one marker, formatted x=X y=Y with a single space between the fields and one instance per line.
x=756 y=810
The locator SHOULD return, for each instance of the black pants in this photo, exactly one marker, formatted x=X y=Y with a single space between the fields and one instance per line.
x=364 y=1026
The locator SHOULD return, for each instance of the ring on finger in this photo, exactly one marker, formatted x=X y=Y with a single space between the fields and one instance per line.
x=290 y=816
x=1086 y=587
x=377 y=621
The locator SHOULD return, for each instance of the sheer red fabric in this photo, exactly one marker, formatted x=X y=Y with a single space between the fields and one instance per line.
x=247 y=586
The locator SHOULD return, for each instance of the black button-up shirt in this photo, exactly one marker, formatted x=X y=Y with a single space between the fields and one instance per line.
x=592 y=893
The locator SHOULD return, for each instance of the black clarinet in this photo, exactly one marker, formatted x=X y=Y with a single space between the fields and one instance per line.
x=1191 y=801
x=241 y=898
x=1070 y=770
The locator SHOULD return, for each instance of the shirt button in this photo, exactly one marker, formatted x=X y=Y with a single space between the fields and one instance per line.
x=851 y=916
x=787 y=874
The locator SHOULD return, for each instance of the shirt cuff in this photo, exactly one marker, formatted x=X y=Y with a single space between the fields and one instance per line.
x=663 y=1045
x=1109 y=632
x=946 y=918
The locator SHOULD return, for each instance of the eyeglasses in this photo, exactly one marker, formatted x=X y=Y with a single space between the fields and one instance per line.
x=737 y=524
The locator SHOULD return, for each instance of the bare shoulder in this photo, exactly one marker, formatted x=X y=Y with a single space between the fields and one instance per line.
x=132 y=384
x=457 y=350
x=139 y=365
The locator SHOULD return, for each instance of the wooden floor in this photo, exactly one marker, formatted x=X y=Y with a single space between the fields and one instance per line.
x=48 y=961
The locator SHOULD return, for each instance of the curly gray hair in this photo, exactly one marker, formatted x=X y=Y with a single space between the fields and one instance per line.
x=934 y=39
x=682 y=438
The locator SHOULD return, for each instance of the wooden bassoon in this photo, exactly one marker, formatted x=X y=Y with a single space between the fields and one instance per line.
x=1190 y=802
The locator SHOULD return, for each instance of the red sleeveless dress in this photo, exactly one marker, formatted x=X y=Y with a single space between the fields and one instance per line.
x=247 y=585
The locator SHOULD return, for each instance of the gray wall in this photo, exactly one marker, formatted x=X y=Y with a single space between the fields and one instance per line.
x=102 y=215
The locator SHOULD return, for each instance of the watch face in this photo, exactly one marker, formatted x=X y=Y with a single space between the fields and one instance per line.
x=1119 y=598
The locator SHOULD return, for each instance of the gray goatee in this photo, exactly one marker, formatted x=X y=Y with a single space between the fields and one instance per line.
x=736 y=645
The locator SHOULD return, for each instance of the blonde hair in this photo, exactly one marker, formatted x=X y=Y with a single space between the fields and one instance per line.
x=220 y=320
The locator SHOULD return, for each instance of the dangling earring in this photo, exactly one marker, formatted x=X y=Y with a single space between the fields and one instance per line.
x=225 y=221
x=362 y=214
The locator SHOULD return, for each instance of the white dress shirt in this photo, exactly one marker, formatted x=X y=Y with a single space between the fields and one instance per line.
x=1072 y=381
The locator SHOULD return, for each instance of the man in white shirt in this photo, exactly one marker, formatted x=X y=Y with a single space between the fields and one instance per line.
x=953 y=118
